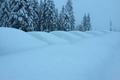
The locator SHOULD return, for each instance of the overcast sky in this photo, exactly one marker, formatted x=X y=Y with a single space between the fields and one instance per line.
x=101 y=12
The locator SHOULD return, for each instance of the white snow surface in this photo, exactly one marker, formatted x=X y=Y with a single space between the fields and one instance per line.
x=49 y=38
x=95 y=33
x=66 y=35
x=14 y=40
x=82 y=34
x=96 y=58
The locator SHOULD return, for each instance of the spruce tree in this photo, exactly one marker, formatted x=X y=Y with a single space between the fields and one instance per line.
x=56 y=19
x=62 y=22
x=48 y=15
x=34 y=6
x=69 y=14
x=40 y=14
x=88 y=22
x=110 y=25
x=1 y=1
x=21 y=15
x=44 y=16
x=85 y=23
x=4 y=13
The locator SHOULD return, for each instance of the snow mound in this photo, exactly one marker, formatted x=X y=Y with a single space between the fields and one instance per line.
x=82 y=34
x=107 y=31
x=49 y=38
x=14 y=40
x=68 y=36
x=90 y=59
x=95 y=33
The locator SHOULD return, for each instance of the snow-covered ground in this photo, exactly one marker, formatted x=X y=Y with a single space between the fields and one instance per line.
x=66 y=35
x=49 y=38
x=89 y=58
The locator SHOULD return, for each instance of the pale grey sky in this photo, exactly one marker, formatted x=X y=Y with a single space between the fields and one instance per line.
x=101 y=11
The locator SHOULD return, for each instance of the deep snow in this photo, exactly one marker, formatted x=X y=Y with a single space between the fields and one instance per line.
x=13 y=40
x=82 y=34
x=67 y=36
x=96 y=58
x=49 y=38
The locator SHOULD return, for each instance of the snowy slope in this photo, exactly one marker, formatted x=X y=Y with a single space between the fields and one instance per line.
x=96 y=58
x=82 y=34
x=14 y=40
x=95 y=33
x=68 y=36
x=49 y=38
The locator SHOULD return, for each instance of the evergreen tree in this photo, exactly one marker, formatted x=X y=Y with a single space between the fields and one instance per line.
x=4 y=13
x=56 y=19
x=43 y=16
x=62 y=20
x=85 y=23
x=69 y=14
x=1 y=1
x=21 y=15
x=40 y=14
x=48 y=15
x=110 y=26
x=88 y=23
x=34 y=4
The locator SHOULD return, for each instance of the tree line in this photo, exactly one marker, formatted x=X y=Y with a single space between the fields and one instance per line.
x=29 y=15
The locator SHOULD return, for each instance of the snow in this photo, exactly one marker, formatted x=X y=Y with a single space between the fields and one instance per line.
x=49 y=38
x=96 y=58
x=82 y=34
x=14 y=40
x=95 y=33
x=68 y=36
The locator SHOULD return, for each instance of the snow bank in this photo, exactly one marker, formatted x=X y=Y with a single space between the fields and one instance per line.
x=82 y=34
x=68 y=36
x=95 y=33
x=105 y=31
x=90 y=59
x=49 y=38
x=14 y=40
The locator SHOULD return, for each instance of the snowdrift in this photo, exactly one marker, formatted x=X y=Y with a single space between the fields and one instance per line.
x=68 y=36
x=49 y=38
x=95 y=33
x=107 y=31
x=82 y=34
x=14 y=40
x=90 y=59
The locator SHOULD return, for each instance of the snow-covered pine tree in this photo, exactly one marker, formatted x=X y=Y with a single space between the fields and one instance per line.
x=85 y=23
x=1 y=1
x=88 y=22
x=48 y=21
x=44 y=16
x=4 y=13
x=34 y=6
x=62 y=22
x=110 y=25
x=40 y=14
x=56 y=19
x=21 y=15
x=69 y=14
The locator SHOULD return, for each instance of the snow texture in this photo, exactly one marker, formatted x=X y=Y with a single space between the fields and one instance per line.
x=96 y=58
x=49 y=38
x=82 y=34
x=95 y=33
x=14 y=40
x=68 y=36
